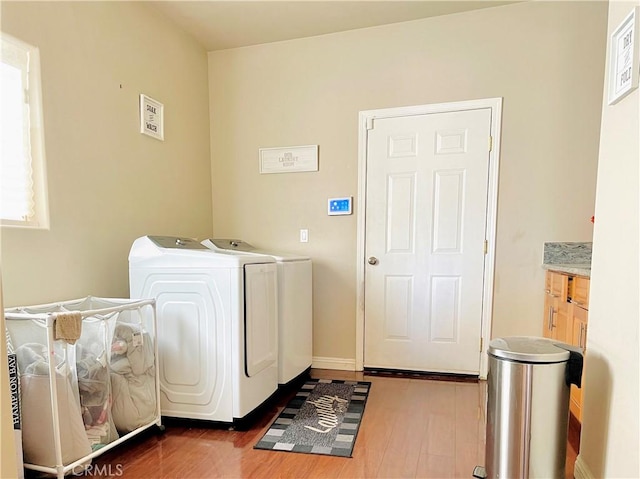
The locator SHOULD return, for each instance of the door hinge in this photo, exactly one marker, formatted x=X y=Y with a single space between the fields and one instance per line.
x=490 y=143
x=486 y=246
x=369 y=124
x=481 y=343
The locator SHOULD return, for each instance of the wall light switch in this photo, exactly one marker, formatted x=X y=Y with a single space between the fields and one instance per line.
x=304 y=236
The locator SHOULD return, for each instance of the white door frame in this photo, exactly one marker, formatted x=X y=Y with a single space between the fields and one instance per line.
x=365 y=119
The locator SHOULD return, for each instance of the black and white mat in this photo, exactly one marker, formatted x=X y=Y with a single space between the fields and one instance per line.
x=323 y=418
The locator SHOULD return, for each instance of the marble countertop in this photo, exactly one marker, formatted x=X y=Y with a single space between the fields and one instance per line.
x=580 y=269
x=570 y=258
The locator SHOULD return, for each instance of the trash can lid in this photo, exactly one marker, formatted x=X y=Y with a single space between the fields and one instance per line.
x=528 y=349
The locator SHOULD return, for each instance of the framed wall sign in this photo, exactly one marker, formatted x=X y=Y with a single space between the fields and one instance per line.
x=289 y=159
x=151 y=117
x=623 y=58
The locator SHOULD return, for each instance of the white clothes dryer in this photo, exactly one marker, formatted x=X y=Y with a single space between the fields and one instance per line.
x=217 y=326
x=295 y=306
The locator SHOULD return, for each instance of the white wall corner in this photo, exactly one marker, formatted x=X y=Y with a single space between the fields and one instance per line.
x=341 y=364
x=581 y=470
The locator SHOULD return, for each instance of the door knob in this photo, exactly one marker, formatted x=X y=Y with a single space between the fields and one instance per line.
x=373 y=260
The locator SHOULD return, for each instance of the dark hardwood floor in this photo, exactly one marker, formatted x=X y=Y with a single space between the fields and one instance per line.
x=411 y=428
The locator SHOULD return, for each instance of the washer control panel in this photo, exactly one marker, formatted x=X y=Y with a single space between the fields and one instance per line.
x=175 y=242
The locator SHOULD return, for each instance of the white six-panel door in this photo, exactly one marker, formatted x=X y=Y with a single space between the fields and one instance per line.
x=426 y=219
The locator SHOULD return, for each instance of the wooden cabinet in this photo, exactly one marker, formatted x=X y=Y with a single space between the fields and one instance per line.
x=550 y=307
x=578 y=338
x=580 y=292
x=556 y=307
x=562 y=325
x=566 y=308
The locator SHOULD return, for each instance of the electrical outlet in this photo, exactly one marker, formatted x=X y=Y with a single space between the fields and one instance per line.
x=304 y=236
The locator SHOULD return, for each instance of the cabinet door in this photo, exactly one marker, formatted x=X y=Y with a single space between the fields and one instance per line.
x=581 y=291
x=562 y=326
x=559 y=285
x=579 y=338
x=579 y=329
x=548 y=281
x=548 y=315
x=556 y=323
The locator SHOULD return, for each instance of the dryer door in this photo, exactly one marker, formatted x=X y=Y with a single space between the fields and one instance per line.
x=261 y=317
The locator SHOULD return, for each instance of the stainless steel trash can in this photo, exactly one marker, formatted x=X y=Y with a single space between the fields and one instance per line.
x=529 y=383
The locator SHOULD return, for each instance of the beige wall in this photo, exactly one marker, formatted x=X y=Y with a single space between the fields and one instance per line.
x=108 y=184
x=545 y=58
x=611 y=423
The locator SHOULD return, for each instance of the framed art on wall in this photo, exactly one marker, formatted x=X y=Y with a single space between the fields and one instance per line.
x=151 y=117
x=623 y=58
x=289 y=159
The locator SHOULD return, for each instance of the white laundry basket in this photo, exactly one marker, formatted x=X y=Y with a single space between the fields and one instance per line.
x=80 y=400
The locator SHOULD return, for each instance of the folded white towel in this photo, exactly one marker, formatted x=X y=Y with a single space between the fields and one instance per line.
x=68 y=327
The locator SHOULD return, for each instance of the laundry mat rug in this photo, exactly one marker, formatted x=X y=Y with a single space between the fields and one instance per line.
x=323 y=418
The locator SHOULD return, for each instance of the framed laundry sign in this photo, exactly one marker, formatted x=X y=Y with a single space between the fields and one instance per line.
x=151 y=117
x=288 y=159
x=623 y=58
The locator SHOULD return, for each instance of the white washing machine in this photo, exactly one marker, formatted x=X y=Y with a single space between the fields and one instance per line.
x=217 y=326
x=295 y=306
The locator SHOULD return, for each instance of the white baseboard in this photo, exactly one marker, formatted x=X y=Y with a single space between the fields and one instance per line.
x=341 y=364
x=580 y=470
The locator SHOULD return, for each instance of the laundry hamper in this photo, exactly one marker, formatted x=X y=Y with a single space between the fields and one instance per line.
x=81 y=398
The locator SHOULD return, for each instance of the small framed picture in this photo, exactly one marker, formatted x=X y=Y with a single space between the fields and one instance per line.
x=151 y=117
x=623 y=58
x=290 y=159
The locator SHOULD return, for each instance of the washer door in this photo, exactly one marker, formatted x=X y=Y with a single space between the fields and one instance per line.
x=261 y=317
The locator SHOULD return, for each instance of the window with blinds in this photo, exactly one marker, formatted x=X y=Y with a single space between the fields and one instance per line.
x=23 y=199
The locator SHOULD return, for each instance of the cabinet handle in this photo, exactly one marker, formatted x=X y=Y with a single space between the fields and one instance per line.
x=550 y=319
x=548 y=291
x=580 y=338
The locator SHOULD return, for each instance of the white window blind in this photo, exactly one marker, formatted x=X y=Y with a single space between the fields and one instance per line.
x=22 y=193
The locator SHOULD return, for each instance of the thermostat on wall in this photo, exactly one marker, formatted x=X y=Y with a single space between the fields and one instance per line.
x=339 y=206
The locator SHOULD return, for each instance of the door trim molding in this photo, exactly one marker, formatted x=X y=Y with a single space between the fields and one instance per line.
x=366 y=118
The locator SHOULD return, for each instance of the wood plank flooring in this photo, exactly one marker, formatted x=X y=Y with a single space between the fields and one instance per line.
x=412 y=428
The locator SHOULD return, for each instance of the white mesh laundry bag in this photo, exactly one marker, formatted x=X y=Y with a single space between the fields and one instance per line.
x=29 y=340
x=133 y=374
